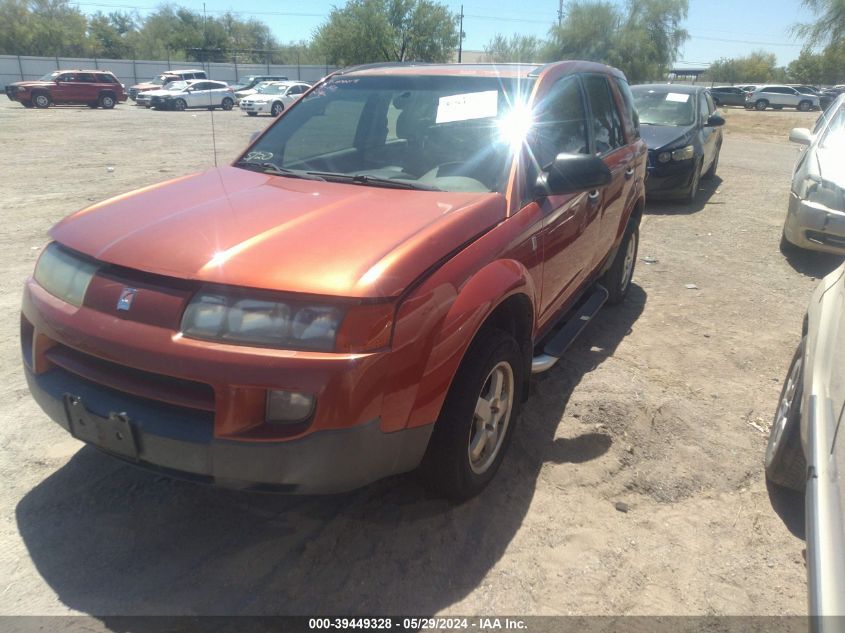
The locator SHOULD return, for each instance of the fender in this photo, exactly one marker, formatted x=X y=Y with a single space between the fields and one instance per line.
x=445 y=320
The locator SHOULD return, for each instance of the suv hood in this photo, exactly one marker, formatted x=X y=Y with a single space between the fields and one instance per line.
x=238 y=227
x=34 y=83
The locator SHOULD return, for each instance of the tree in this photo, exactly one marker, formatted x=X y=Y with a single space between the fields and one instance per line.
x=758 y=67
x=643 y=40
x=519 y=48
x=388 y=30
x=808 y=68
x=829 y=29
x=112 y=35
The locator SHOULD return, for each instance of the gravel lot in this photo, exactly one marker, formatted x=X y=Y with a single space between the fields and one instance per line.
x=663 y=404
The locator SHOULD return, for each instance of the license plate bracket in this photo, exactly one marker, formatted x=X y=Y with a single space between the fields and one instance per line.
x=113 y=434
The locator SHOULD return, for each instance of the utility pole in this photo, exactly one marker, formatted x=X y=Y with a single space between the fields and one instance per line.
x=461 y=35
x=559 y=13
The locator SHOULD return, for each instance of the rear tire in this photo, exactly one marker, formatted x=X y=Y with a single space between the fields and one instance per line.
x=617 y=279
x=785 y=462
x=227 y=104
x=107 y=101
x=475 y=425
x=805 y=106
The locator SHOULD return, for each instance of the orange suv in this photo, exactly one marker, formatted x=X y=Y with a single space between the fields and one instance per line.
x=364 y=292
x=94 y=88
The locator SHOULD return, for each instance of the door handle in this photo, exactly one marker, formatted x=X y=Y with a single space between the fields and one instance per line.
x=629 y=173
x=593 y=195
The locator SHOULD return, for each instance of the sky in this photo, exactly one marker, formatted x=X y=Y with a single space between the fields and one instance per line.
x=718 y=28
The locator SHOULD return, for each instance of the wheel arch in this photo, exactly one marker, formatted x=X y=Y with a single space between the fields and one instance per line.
x=501 y=295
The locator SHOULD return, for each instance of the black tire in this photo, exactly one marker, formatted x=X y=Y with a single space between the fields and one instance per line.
x=227 y=104
x=41 y=100
x=180 y=104
x=711 y=171
x=785 y=462
x=617 y=278
x=805 y=106
x=692 y=193
x=448 y=467
x=107 y=101
x=761 y=104
x=277 y=108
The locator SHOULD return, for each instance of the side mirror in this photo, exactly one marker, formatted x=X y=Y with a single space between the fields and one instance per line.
x=714 y=120
x=801 y=135
x=572 y=173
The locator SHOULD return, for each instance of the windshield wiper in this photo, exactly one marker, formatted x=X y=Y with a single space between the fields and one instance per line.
x=272 y=168
x=375 y=181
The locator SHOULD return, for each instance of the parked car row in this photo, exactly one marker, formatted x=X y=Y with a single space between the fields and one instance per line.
x=174 y=89
x=777 y=97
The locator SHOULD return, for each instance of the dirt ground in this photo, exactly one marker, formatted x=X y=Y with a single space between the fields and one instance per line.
x=663 y=404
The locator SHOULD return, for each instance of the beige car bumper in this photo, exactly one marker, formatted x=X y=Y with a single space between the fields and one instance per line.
x=814 y=227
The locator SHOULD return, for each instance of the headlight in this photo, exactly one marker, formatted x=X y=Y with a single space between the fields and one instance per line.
x=234 y=318
x=684 y=153
x=63 y=274
x=664 y=157
x=22 y=88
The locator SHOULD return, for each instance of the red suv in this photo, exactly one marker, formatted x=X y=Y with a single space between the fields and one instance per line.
x=90 y=87
x=365 y=291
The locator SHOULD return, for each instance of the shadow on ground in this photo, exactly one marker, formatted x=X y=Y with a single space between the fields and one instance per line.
x=110 y=539
x=706 y=195
x=810 y=263
x=789 y=506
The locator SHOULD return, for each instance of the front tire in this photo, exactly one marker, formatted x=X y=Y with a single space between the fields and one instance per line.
x=180 y=105
x=711 y=171
x=227 y=104
x=785 y=462
x=477 y=420
x=276 y=109
x=761 y=105
x=691 y=194
x=41 y=100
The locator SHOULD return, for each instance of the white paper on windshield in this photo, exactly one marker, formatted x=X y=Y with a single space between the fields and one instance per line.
x=470 y=105
x=677 y=96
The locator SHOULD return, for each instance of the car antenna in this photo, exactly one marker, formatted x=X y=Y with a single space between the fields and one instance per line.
x=205 y=43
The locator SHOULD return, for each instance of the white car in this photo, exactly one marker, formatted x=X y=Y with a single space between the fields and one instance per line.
x=815 y=218
x=145 y=98
x=246 y=92
x=198 y=93
x=778 y=97
x=273 y=98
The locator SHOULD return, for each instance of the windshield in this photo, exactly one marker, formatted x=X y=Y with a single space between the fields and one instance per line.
x=270 y=90
x=834 y=135
x=657 y=107
x=176 y=86
x=444 y=132
x=50 y=76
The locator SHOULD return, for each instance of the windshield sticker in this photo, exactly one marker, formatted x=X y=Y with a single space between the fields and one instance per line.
x=677 y=96
x=470 y=105
x=259 y=156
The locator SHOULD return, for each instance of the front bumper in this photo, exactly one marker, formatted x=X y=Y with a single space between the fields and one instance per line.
x=672 y=179
x=258 y=107
x=814 y=228
x=13 y=94
x=196 y=409
x=182 y=444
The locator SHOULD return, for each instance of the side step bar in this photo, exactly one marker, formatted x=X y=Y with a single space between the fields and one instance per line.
x=556 y=347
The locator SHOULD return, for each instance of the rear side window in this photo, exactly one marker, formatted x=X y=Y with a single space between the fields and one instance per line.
x=605 y=121
x=631 y=117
